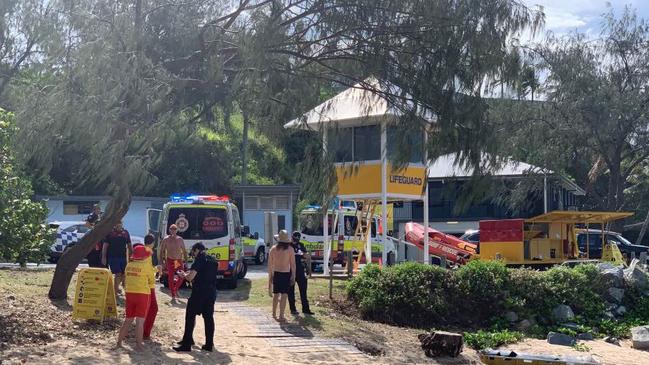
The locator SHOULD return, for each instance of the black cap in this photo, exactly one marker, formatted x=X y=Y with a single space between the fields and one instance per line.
x=297 y=235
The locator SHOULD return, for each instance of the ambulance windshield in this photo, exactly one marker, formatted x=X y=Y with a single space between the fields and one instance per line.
x=199 y=223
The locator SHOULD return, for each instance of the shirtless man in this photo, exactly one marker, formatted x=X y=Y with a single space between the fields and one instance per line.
x=172 y=252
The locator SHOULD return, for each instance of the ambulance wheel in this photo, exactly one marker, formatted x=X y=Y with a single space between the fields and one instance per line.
x=260 y=257
x=243 y=271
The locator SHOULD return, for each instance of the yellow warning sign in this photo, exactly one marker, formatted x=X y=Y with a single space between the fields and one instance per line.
x=611 y=253
x=94 y=295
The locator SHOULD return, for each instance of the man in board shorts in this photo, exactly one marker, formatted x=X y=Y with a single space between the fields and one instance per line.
x=116 y=246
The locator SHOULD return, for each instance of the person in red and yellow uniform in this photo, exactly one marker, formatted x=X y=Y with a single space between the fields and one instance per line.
x=138 y=281
x=153 y=303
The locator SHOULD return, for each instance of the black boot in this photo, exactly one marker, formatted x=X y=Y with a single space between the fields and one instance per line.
x=206 y=347
x=181 y=342
x=183 y=348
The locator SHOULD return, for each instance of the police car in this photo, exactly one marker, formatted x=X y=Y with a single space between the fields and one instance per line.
x=69 y=233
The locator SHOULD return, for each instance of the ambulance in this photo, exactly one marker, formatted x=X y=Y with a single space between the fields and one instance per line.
x=210 y=219
x=345 y=233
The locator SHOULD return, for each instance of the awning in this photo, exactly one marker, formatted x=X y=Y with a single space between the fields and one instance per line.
x=559 y=216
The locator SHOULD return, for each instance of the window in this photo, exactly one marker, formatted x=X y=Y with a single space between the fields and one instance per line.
x=236 y=221
x=251 y=203
x=77 y=208
x=398 y=138
x=281 y=202
x=593 y=241
x=367 y=143
x=266 y=203
x=281 y=222
x=80 y=228
x=341 y=143
x=199 y=223
x=351 y=223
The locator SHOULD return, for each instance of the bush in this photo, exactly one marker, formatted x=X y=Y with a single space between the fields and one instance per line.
x=581 y=288
x=407 y=294
x=482 y=289
x=529 y=293
x=480 y=293
x=485 y=339
x=23 y=234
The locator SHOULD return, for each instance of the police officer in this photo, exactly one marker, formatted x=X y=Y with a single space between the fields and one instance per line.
x=300 y=276
x=202 y=275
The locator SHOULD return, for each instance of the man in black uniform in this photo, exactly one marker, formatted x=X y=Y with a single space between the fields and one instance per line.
x=300 y=276
x=94 y=257
x=202 y=274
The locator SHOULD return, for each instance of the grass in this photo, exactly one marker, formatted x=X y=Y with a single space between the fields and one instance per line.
x=28 y=282
x=326 y=321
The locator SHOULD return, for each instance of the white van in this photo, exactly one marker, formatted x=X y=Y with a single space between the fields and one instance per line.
x=210 y=219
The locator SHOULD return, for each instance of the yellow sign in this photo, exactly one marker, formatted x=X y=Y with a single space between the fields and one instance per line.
x=94 y=295
x=364 y=181
x=378 y=211
x=611 y=253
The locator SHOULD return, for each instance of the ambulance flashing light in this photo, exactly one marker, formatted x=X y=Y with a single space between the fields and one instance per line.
x=198 y=199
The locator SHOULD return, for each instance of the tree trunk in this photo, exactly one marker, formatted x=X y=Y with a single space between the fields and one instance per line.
x=643 y=230
x=244 y=150
x=615 y=196
x=71 y=258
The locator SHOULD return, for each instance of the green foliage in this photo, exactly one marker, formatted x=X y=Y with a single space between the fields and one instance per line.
x=408 y=293
x=581 y=288
x=23 y=236
x=581 y=347
x=482 y=284
x=487 y=339
x=480 y=293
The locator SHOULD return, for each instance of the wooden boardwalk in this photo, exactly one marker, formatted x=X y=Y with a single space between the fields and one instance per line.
x=288 y=336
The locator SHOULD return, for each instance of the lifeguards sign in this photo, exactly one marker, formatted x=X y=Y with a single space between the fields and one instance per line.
x=94 y=295
x=364 y=181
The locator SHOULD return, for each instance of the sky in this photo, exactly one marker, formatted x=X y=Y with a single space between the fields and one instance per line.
x=564 y=16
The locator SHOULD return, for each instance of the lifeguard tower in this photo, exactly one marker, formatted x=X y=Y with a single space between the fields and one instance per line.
x=359 y=128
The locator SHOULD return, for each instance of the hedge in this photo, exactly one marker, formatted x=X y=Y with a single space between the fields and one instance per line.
x=477 y=294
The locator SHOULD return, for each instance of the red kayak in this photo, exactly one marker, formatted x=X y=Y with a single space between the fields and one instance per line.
x=440 y=244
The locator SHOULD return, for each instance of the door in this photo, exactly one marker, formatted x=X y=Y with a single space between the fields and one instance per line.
x=153 y=221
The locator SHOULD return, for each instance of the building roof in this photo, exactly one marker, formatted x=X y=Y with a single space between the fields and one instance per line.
x=447 y=166
x=92 y=198
x=365 y=103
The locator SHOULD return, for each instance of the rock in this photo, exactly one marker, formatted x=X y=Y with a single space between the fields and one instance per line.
x=615 y=295
x=562 y=313
x=612 y=340
x=610 y=306
x=603 y=266
x=524 y=325
x=640 y=337
x=571 y=325
x=635 y=276
x=511 y=316
x=614 y=276
x=609 y=315
x=585 y=337
x=555 y=338
x=441 y=343
x=620 y=311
